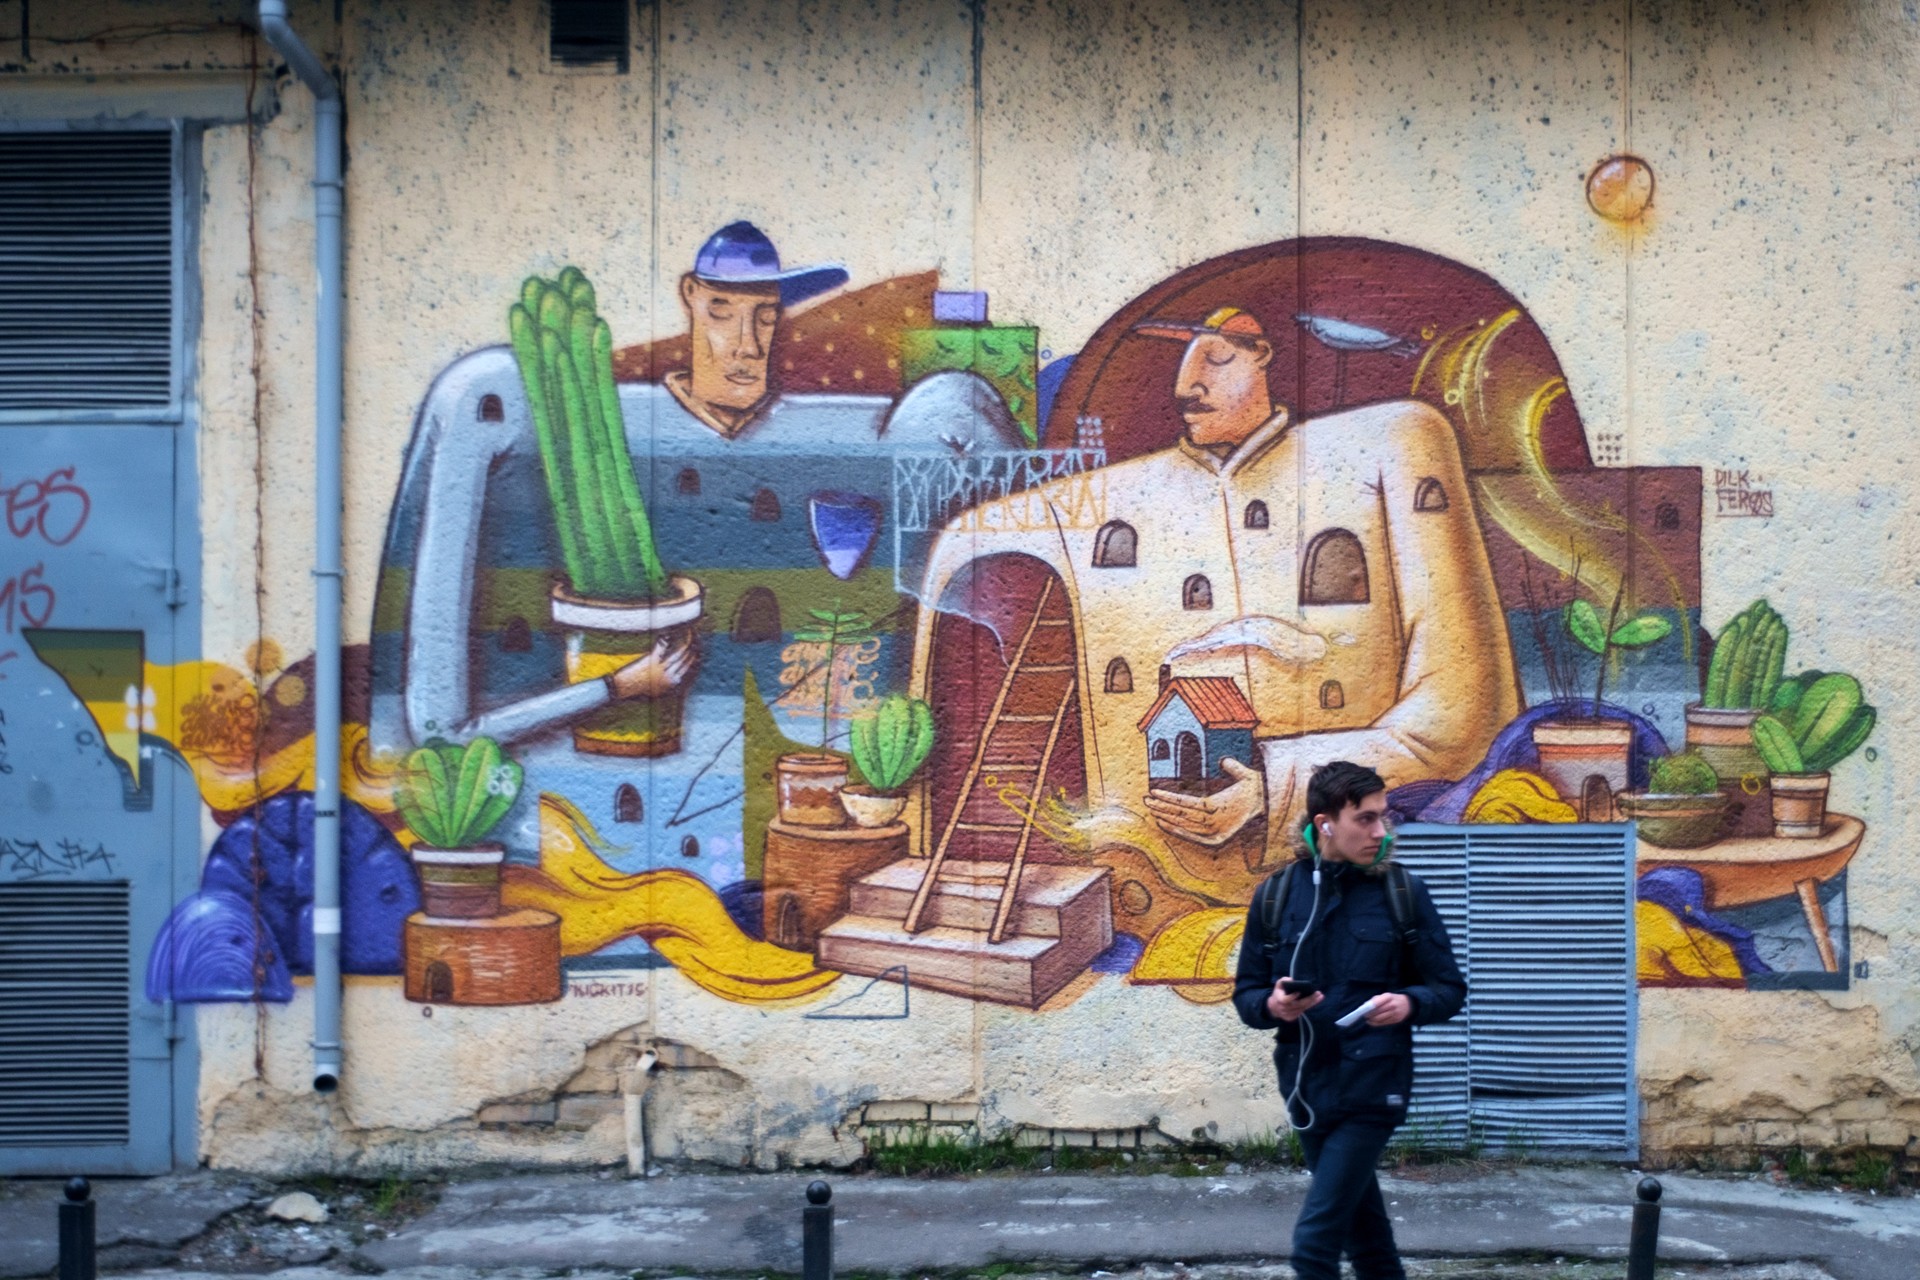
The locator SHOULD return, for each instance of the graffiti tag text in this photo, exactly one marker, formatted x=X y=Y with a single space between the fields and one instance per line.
x=1738 y=492
x=31 y=860
x=53 y=507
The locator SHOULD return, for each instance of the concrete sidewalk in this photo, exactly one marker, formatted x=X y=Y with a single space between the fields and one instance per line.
x=750 y=1224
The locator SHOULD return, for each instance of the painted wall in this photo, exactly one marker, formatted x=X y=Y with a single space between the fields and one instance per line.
x=1702 y=405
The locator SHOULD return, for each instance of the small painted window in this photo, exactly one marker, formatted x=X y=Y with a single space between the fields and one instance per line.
x=1666 y=517
x=1256 y=516
x=757 y=617
x=1429 y=495
x=1197 y=593
x=689 y=847
x=516 y=636
x=1116 y=546
x=766 y=506
x=439 y=983
x=687 y=483
x=1162 y=751
x=491 y=410
x=1332 y=696
x=1119 y=676
x=627 y=805
x=1335 y=570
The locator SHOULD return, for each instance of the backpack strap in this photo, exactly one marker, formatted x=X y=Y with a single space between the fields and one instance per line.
x=1273 y=908
x=1406 y=920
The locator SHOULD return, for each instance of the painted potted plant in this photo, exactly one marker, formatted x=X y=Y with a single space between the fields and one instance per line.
x=1813 y=722
x=619 y=600
x=452 y=797
x=808 y=783
x=1683 y=806
x=889 y=747
x=1749 y=656
x=1573 y=748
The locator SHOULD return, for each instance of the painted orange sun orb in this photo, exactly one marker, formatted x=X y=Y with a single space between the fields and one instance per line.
x=1620 y=188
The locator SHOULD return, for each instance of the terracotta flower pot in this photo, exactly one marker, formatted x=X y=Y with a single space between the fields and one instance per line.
x=808 y=786
x=1724 y=739
x=1799 y=805
x=459 y=884
x=870 y=808
x=605 y=635
x=1572 y=751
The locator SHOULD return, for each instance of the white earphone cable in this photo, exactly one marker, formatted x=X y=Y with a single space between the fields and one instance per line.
x=1305 y=1024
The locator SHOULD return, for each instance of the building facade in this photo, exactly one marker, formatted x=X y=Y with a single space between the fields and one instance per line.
x=744 y=402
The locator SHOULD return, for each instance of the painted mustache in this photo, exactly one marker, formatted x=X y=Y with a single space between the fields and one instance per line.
x=1193 y=404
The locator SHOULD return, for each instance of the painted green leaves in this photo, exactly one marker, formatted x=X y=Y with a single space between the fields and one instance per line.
x=890 y=745
x=831 y=626
x=1748 y=657
x=1813 y=722
x=453 y=796
x=1684 y=774
x=565 y=353
x=1584 y=622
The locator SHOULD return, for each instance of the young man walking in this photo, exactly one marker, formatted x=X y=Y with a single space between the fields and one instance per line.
x=1338 y=929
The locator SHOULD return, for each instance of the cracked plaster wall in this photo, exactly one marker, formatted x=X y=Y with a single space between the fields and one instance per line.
x=1763 y=315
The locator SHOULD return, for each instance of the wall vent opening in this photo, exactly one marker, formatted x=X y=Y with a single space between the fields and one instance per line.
x=589 y=35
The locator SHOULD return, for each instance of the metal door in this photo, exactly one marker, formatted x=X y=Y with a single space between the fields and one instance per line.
x=93 y=812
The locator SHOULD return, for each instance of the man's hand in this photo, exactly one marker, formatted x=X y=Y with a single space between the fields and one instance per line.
x=1214 y=819
x=666 y=666
x=1288 y=1008
x=1392 y=1007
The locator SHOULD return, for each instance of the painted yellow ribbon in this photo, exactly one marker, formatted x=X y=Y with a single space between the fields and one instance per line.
x=1194 y=955
x=677 y=914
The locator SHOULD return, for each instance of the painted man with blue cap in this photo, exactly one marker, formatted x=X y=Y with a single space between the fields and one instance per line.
x=733 y=298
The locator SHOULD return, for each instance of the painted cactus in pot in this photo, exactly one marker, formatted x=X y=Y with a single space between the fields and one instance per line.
x=452 y=797
x=619 y=598
x=1813 y=722
x=889 y=747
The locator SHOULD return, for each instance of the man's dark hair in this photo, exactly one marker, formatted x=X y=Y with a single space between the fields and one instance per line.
x=1338 y=784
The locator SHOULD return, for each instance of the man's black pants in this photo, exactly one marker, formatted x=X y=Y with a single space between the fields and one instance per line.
x=1344 y=1211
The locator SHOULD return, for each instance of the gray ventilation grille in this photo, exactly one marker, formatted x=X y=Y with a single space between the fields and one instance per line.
x=86 y=270
x=1542 y=920
x=64 y=1013
x=589 y=35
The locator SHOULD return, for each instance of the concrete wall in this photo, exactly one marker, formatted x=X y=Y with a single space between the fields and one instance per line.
x=1078 y=163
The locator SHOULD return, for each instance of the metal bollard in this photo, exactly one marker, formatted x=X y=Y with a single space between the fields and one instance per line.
x=816 y=1234
x=76 y=1232
x=1645 y=1241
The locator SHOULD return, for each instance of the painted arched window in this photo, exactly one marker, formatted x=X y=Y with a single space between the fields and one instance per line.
x=1162 y=750
x=1197 y=593
x=766 y=506
x=491 y=410
x=1666 y=517
x=1256 y=516
x=689 y=847
x=627 y=806
x=1334 y=570
x=1429 y=495
x=1116 y=546
x=757 y=617
x=687 y=483
x=1119 y=676
x=516 y=636
x=1332 y=696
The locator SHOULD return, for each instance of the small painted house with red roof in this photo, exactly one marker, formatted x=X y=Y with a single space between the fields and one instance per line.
x=1195 y=723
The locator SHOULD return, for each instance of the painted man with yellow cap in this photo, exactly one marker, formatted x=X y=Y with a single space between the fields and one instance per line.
x=1334 y=569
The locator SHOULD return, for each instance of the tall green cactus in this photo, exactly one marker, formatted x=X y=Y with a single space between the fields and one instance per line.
x=890 y=745
x=565 y=353
x=1748 y=658
x=453 y=796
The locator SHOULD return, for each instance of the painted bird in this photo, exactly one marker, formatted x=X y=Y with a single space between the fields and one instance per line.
x=1343 y=335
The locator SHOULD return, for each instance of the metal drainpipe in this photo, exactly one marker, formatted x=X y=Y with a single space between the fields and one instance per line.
x=327 y=201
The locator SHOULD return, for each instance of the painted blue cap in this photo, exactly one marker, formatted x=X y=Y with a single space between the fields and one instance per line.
x=740 y=253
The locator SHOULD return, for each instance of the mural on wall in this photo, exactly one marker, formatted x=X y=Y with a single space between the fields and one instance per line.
x=834 y=645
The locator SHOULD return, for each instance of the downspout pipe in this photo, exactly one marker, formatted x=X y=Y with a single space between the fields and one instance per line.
x=328 y=198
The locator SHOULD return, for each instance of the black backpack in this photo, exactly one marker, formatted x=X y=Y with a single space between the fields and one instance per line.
x=1406 y=922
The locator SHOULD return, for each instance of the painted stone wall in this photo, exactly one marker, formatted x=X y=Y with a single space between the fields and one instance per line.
x=955 y=402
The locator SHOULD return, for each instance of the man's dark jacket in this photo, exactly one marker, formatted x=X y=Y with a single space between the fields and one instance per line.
x=1353 y=953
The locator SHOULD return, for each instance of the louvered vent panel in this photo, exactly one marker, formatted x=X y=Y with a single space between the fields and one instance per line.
x=1442 y=1105
x=1554 y=1002
x=86 y=270
x=64 y=1014
x=589 y=34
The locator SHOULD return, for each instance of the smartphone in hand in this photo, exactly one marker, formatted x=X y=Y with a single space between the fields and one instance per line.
x=1297 y=987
